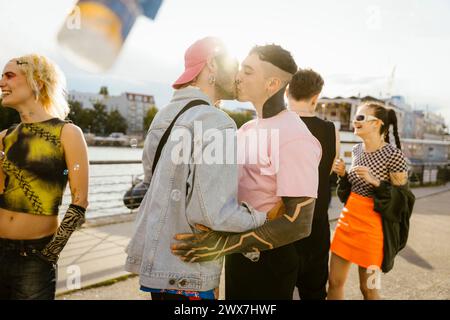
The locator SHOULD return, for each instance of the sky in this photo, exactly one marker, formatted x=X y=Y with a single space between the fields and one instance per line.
x=353 y=44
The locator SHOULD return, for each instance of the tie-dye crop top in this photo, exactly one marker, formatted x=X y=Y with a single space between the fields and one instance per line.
x=34 y=167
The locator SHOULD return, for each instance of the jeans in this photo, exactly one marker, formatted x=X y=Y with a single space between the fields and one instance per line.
x=24 y=273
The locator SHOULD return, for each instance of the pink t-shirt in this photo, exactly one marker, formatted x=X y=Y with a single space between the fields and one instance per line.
x=278 y=157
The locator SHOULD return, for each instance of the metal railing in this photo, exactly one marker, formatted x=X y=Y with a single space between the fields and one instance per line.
x=106 y=191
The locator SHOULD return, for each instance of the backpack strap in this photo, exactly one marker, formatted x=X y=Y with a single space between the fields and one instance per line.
x=166 y=134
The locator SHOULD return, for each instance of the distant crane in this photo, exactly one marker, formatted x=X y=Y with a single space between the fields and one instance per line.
x=390 y=85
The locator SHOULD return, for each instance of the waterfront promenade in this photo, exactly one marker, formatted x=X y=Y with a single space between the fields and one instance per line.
x=422 y=270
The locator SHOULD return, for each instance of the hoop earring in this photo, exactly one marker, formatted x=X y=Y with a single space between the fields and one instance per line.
x=211 y=79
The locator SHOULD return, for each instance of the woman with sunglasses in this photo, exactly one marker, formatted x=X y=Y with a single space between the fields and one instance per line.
x=38 y=157
x=358 y=237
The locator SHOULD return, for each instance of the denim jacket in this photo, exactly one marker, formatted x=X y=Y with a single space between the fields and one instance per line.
x=184 y=193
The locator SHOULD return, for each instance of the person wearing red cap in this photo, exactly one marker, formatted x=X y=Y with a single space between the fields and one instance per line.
x=184 y=193
x=288 y=171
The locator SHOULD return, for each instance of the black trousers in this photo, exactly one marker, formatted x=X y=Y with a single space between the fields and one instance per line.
x=313 y=254
x=272 y=277
x=277 y=272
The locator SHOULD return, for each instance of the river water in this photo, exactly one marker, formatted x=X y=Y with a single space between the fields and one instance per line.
x=108 y=183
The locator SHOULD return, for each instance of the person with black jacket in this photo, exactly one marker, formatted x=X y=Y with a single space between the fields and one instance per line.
x=373 y=226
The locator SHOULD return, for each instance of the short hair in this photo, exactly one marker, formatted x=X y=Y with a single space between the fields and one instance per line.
x=277 y=56
x=305 y=84
x=47 y=82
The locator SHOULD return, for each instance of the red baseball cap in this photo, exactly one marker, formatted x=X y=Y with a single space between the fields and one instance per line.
x=196 y=57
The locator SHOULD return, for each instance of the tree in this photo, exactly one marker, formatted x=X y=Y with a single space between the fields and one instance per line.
x=80 y=116
x=86 y=119
x=104 y=91
x=239 y=117
x=149 y=117
x=115 y=123
x=99 y=119
x=8 y=117
x=75 y=113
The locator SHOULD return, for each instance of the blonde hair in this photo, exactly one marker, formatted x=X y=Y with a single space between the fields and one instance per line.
x=47 y=81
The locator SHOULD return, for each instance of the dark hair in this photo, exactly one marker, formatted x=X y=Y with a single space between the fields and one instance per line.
x=277 y=56
x=305 y=84
x=389 y=117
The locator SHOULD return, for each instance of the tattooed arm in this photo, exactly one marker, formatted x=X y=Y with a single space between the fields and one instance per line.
x=293 y=225
x=75 y=151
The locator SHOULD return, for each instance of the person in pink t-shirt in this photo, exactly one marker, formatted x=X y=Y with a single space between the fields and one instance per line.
x=285 y=155
x=279 y=160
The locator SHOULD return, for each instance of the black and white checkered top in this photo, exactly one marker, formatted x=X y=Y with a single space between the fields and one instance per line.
x=381 y=162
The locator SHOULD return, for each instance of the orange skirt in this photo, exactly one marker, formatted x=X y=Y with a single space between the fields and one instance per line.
x=358 y=237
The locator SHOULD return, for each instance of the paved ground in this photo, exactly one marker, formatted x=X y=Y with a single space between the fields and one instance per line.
x=97 y=254
x=421 y=272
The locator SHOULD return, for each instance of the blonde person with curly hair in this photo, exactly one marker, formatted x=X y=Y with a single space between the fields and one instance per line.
x=38 y=156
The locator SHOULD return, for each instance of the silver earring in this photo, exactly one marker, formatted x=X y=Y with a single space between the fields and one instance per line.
x=211 y=79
